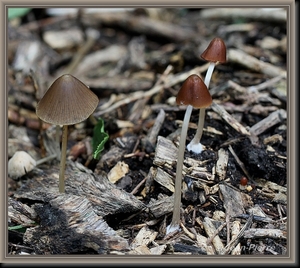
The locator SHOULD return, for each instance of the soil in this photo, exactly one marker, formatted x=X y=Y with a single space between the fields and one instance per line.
x=265 y=159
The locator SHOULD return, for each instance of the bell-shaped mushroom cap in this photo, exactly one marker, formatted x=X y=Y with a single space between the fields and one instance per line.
x=67 y=101
x=194 y=92
x=216 y=51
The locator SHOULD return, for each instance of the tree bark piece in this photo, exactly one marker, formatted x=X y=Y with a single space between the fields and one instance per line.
x=69 y=224
x=105 y=198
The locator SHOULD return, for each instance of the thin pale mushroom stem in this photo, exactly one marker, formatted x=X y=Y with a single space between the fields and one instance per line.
x=63 y=159
x=195 y=144
x=175 y=224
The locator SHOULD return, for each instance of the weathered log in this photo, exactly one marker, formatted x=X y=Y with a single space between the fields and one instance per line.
x=74 y=222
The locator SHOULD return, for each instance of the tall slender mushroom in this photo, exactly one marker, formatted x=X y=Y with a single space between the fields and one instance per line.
x=67 y=101
x=214 y=53
x=194 y=94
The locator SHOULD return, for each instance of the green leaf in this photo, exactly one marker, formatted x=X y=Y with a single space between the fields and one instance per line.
x=17 y=12
x=19 y=228
x=100 y=137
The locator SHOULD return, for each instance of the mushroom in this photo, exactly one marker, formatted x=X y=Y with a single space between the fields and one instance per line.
x=21 y=163
x=194 y=94
x=214 y=53
x=67 y=101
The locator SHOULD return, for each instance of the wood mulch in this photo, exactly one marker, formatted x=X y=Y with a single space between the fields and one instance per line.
x=135 y=60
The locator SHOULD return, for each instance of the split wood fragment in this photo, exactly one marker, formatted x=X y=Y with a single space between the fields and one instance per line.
x=238 y=56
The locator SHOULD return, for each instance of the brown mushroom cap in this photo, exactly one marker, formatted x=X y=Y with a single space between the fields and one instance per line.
x=67 y=101
x=216 y=51
x=194 y=92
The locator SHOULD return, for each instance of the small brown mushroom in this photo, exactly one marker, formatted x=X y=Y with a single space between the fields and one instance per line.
x=67 y=101
x=193 y=93
x=214 y=53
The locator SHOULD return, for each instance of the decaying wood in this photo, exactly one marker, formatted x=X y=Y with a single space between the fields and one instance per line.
x=233 y=202
x=210 y=230
x=273 y=191
x=69 y=223
x=92 y=36
x=166 y=153
x=165 y=179
x=270 y=233
x=234 y=234
x=161 y=206
x=93 y=60
x=149 y=141
x=144 y=237
x=277 y=15
x=273 y=119
x=229 y=119
x=170 y=81
x=141 y=25
x=221 y=165
x=235 y=240
x=240 y=163
x=20 y=214
x=105 y=198
x=238 y=56
x=78 y=214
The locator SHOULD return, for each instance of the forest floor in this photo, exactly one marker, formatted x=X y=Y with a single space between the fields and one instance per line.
x=135 y=61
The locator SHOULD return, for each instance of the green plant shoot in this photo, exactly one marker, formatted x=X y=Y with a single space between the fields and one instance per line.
x=100 y=137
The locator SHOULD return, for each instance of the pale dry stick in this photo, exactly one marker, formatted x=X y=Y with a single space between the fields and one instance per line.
x=210 y=231
x=232 y=244
x=268 y=122
x=187 y=232
x=254 y=14
x=139 y=105
x=240 y=57
x=265 y=84
x=91 y=61
x=283 y=219
x=150 y=140
x=229 y=84
x=229 y=119
x=228 y=227
x=171 y=80
x=217 y=231
x=265 y=233
x=240 y=163
x=279 y=208
x=244 y=90
x=235 y=230
x=92 y=37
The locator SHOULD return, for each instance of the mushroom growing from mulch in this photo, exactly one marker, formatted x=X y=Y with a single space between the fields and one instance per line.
x=67 y=101
x=214 y=53
x=194 y=94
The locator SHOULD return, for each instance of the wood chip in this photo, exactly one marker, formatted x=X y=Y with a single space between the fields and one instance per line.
x=210 y=230
x=221 y=165
x=118 y=172
x=233 y=202
x=144 y=237
x=265 y=233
